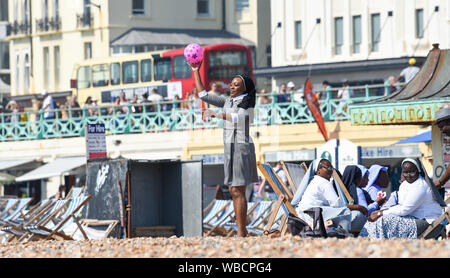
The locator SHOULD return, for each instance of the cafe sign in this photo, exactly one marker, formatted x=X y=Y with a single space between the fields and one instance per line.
x=396 y=112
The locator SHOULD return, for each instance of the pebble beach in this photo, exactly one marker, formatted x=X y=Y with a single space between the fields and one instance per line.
x=221 y=247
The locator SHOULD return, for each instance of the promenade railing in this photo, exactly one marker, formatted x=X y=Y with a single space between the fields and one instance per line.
x=167 y=116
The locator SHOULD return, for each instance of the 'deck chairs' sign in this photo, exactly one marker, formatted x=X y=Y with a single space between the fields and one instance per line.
x=95 y=141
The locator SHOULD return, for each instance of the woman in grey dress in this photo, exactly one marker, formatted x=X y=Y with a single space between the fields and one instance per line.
x=239 y=150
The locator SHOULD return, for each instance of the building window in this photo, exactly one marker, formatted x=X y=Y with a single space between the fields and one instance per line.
x=87 y=50
x=26 y=73
x=25 y=14
x=17 y=70
x=338 y=35
x=298 y=34
x=203 y=7
x=375 y=32
x=241 y=5
x=4 y=55
x=419 y=23
x=138 y=7
x=3 y=10
x=46 y=67
x=45 y=15
x=57 y=67
x=356 y=33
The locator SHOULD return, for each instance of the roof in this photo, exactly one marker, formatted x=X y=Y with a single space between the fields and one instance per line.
x=351 y=66
x=59 y=166
x=8 y=164
x=417 y=102
x=422 y=137
x=181 y=37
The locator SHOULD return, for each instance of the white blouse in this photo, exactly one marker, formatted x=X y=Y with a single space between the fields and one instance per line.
x=320 y=192
x=416 y=199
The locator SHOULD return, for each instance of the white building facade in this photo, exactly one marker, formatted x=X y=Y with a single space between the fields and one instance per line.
x=341 y=31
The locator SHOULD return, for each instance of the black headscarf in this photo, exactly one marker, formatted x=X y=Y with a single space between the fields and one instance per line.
x=351 y=172
x=250 y=99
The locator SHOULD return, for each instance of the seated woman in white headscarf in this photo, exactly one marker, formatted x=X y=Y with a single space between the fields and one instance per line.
x=319 y=192
x=416 y=208
x=378 y=179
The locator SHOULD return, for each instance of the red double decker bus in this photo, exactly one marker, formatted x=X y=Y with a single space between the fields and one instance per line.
x=167 y=71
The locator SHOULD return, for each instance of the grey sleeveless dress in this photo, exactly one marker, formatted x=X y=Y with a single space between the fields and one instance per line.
x=239 y=150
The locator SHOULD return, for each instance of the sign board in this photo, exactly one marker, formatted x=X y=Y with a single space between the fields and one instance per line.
x=209 y=159
x=95 y=141
x=294 y=155
x=328 y=151
x=390 y=152
x=348 y=154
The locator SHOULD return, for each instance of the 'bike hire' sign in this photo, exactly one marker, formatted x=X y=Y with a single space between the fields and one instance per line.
x=95 y=141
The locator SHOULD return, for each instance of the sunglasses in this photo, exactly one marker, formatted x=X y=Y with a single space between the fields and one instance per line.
x=409 y=174
x=327 y=167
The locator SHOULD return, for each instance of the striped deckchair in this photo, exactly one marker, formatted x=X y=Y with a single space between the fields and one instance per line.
x=18 y=211
x=262 y=211
x=219 y=222
x=214 y=209
x=10 y=204
x=53 y=231
x=40 y=218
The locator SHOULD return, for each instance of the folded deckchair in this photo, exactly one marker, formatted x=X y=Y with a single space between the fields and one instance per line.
x=56 y=230
x=215 y=210
x=19 y=210
x=281 y=191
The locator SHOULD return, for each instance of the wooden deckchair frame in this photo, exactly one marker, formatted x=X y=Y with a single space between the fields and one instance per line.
x=343 y=188
x=282 y=196
x=215 y=215
x=54 y=232
x=437 y=221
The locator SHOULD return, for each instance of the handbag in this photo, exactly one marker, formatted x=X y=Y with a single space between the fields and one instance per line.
x=299 y=227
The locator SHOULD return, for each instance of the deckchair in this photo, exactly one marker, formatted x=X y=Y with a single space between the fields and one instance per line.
x=18 y=211
x=261 y=215
x=294 y=173
x=281 y=191
x=342 y=190
x=438 y=224
x=10 y=204
x=214 y=209
x=33 y=211
x=54 y=231
x=224 y=218
x=42 y=217
x=231 y=226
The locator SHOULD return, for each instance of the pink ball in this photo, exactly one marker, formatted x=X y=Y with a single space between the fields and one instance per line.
x=193 y=53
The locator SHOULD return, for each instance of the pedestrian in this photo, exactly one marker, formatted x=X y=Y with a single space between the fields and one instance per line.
x=345 y=93
x=409 y=72
x=283 y=95
x=326 y=90
x=239 y=151
x=49 y=105
x=74 y=107
x=443 y=122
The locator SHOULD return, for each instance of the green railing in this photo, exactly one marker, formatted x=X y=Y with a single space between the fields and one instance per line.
x=168 y=116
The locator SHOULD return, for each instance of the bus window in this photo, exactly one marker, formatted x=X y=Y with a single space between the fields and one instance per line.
x=180 y=68
x=163 y=69
x=115 y=73
x=227 y=58
x=227 y=73
x=100 y=75
x=130 y=72
x=84 y=77
x=146 y=70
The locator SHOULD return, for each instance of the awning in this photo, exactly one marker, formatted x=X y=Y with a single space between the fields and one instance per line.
x=58 y=167
x=7 y=164
x=423 y=137
x=180 y=37
x=6 y=178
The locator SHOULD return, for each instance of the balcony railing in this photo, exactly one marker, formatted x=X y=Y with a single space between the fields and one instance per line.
x=18 y=28
x=48 y=24
x=85 y=21
x=170 y=116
